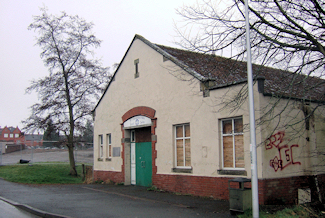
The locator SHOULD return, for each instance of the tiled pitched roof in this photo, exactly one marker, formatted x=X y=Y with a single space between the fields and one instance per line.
x=11 y=128
x=33 y=137
x=225 y=71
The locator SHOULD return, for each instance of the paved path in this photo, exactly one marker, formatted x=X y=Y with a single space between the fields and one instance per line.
x=98 y=200
x=9 y=211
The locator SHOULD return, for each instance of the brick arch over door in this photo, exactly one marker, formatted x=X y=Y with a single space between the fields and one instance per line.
x=150 y=113
x=141 y=110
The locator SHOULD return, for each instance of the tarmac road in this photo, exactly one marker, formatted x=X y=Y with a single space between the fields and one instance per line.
x=98 y=200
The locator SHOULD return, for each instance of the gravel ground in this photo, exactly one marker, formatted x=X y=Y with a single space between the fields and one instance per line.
x=43 y=155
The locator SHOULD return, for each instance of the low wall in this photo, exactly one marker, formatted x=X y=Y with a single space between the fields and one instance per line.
x=12 y=148
x=271 y=191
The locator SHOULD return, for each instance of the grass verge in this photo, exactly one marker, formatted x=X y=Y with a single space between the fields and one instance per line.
x=297 y=211
x=42 y=173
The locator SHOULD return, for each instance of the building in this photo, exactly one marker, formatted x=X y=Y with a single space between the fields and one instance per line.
x=175 y=119
x=12 y=134
x=35 y=140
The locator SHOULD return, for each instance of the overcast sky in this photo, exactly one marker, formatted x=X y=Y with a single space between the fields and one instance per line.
x=116 y=23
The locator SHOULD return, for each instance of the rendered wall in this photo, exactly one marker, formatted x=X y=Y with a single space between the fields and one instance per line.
x=177 y=99
x=292 y=143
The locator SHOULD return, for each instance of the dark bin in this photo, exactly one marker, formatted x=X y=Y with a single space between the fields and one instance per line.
x=240 y=199
x=23 y=161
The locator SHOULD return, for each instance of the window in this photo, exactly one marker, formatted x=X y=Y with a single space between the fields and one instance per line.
x=132 y=136
x=16 y=135
x=183 y=146
x=109 y=145
x=11 y=135
x=233 y=143
x=100 y=140
x=5 y=135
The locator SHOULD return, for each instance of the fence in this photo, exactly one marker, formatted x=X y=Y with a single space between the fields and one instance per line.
x=83 y=153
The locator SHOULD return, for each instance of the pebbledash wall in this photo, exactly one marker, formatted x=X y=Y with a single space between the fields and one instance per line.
x=169 y=96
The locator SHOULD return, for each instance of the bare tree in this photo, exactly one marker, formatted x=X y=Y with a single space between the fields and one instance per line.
x=75 y=81
x=286 y=34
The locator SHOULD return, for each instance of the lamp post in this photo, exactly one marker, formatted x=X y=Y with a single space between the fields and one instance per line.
x=253 y=152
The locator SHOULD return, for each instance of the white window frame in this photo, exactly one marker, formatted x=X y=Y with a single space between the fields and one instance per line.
x=11 y=135
x=5 y=135
x=175 y=145
x=100 y=147
x=233 y=134
x=109 y=145
x=16 y=135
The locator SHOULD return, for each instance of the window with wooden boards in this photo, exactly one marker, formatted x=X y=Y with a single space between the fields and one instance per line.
x=233 y=143
x=183 y=145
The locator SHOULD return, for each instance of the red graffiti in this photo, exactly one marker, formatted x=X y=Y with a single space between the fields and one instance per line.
x=275 y=141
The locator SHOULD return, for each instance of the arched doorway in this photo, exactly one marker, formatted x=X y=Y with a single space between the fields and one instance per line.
x=138 y=130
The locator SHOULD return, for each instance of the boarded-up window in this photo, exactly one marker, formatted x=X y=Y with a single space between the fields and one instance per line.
x=233 y=143
x=183 y=145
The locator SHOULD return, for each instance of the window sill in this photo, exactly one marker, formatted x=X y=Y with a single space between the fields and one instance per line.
x=233 y=172
x=108 y=159
x=182 y=170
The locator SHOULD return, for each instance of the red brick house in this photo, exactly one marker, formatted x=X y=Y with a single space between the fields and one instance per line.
x=12 y=134
x=15 y=136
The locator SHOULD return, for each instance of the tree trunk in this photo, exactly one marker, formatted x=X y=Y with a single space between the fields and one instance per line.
x=73 y=171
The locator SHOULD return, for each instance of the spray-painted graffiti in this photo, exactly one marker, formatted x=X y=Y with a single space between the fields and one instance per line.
x=278 y=162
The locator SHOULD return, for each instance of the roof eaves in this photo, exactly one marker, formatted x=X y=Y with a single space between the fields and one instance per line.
x=228 y=84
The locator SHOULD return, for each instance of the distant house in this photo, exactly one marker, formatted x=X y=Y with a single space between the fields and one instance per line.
x=15 y=136
x=162 y=122
x=12 y=134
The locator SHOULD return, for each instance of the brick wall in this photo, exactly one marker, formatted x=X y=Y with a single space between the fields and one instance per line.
x=271 y=191
x=108 y=175
x=216 y=187
x=285 y=190
x=13 y=148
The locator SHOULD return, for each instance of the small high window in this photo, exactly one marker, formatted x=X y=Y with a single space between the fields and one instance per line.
x=136 y=64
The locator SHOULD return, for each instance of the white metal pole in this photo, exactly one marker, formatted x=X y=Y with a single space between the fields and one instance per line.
x=254 y=180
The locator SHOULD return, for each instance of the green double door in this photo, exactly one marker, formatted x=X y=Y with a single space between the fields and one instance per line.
x=143 y=164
